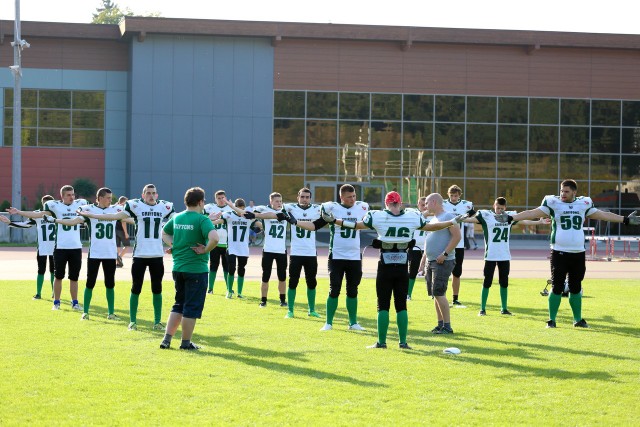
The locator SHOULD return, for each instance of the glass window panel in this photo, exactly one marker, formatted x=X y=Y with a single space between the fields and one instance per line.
x=29 y=98
x=539 y=189
x=512 y=138
x=449 y=136
x=387 y=184
x=354 y=135
x=288 y=104
x=54 y=118
x=574 y=140
x=354 y=106
x=288 y=132
x=605 y=113
x=481 y=137
x=88 y=119
x=575 y=166
x=630 y=170
x=543 y=166
x=288 y=186
x=418 y=108
x=55 y=99
x=386 y=134
x=322 y=105
x=512 y=165
x=449 y=163
x=7 y=139
x=8 y=98
x=353 y=160
x=54 y=138
x=513 y=110
x=574 y=111
x=385 y=163
x=29 y=137
x=323 y=194
x=374 y=196
x=322 y=133
x=8 y=117
x=515 y=191
x=87 y=100
x=29 y=117
x=449 y=108
x=544 y=111
x=417 y=163
x=386 y=107
x=605 y=167
x=630 y=113
x=481 y=109
x=543 y=138
x=288 y=160
x=482 y=192
x=87 y=138
x=605 y=140
x=481 y=165
x=631 y=141
x=418 y=135
x=604 y=194
x=321 y=160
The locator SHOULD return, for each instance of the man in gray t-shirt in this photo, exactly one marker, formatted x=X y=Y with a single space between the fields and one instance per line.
x=440 y=259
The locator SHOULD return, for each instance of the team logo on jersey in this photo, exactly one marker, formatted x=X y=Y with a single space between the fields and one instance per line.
x=570 y=206
x=134 y=206
x=304 y=214
x=68 y=209
x=167 y=207
x=348 y=213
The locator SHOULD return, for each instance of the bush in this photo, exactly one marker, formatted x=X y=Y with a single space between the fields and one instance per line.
x=4 y=205
x=84 y=188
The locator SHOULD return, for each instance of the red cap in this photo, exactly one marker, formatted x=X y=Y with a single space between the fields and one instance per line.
x=392 y=197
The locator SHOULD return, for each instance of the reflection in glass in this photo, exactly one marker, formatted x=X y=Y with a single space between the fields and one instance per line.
x=55 y=99
x=321 y=160
x=55 y=118
x=288 y=104
x=600 y=192
x=87 y=139
x=88 y=100
x=386 y=163
x=481 y=137
x=483 y=192
x=288 y=160
x=322 y=105
x=386 y=134
x=575 y=166
x=54 y=138
x=418 y=135
x=481 y=109
x=354 y=147
x=449 y=108
x=515 y=191
x=449 y=136
x=481 y=164
x=513 y=110
x=418 y=108
x=574 y=139
x=322 y=133
x=605 y=113
x=512 y=138
x=386 y=107
x=539 y=189
x=574 y=111
x=29 y=137
x=544 y=111
x=288 y=132
x=288 y=186
x=630 y=113
x=605 y=167
x=449 y=163
x=631 y=141
x=605 y=140
x=543 y=166
x=543 y=138
x=354 y=106
x=88 y=119
x=512 y=165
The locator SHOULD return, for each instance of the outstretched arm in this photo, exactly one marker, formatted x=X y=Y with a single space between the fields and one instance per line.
x=71 y=222
x=104 y=217
x=541 y=221
x=27 y=214
x=632 y=219
x=444 y=224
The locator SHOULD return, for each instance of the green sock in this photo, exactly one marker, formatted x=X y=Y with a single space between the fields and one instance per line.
x=110 y=300
x=352 y=309
x=212 y=280
x=240 y=284
x=39 y=282
x=383 y=326
x=157 y=308
x=291 y=298
x=503 y=297
x=411 y=283
x=554 y=305
x=332 y=306
x=483 y=298
x=230 y=280
x=133 y=307
x=403 y=325
x=575 y=300
x=88 y=293
x=226 y=276
x=311 y=298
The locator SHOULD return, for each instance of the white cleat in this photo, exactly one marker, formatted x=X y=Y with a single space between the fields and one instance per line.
x=85 y=316
x=112 y=317
x=327 y=327
x=55 y=307
x=356 y=327
x=76 y=307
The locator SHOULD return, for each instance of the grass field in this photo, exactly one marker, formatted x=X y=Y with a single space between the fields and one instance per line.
x=258 y=368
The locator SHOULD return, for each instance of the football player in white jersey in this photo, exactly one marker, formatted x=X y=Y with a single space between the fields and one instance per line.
x=148 y=214
x=457 y=206
x=219 y=254
x=303 y=251
x=568 y=213
x=415 y=254
x=102 y=249
x=68 y=248
x=46 y=233
x=497 y=236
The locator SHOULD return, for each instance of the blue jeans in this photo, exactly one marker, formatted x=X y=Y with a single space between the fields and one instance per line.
x=191 y=291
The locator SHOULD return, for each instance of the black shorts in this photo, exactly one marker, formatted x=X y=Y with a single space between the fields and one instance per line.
x=108 y=269
x=120 y=239
x=310 y=264
x=351 y=270
x=267 y=263
x=571 y=264
x=191 y=291
x=457 y=270
x=392 y=279
x=62 y=257
x=156 y=271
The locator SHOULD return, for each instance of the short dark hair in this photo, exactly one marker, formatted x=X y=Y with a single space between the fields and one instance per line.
x=572 y=184
x=454 y=189
x=304 y=190
x=501 y=201
x=122 y=199
x=274 y=195
x=46 y=198
x=220 y=192
x=239 y=203
x=144 y=189
x=66 y=188
x=103 y=192
x=193 y=196
x=347 y=188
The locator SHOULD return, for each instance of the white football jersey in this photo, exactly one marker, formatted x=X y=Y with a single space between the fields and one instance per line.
x=220 y=228
x=148 y=219
x=275 y=232
x=460 y=208
x=394 y=228
x=567 y=221
x=496 y=235
x=420 y=236
x=67 y=237
x=46 y=235
x=345 y=242
x=102 y=232
x=237 y=233
x=303 y=242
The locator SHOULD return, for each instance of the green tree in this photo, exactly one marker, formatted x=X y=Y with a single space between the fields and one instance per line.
x=110 y=13
x=84 y=188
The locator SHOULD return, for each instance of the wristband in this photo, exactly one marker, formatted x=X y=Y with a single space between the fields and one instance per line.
x=349 y=224
x=625 y=221
x=445 y=254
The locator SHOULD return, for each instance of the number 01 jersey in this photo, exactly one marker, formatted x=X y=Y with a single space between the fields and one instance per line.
x=67 y=236
x=220 y=228
x=496 y=236
x=394 y=228
x=345 y=242
x=103 y=233
x=148 y=220
x=567 y=220
x=303 y=242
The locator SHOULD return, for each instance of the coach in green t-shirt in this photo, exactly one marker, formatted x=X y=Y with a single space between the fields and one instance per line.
x=191 y=236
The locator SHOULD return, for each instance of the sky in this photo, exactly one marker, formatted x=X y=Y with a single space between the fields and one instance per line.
x=587 y=16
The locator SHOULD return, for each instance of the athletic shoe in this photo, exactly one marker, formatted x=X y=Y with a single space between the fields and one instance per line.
x=551 y=323
x=240 y=296
x=210 y=292
x=313 y=314
x=112 y=317
x=436 y=330
x=165 y=344
x=444 y=330
x=55 y=307
x=76 y=307
x=377 y=345
x=506 y=312
x=482 y=313
x=36 y=296
x=230 y=295
x=85 y=316
x=580 y=324
x=356 y=327
x=190 y=347
x=408 y=297
x=457 y=304
x=263 y=304
x=327 y=327
x=159 y=327
x=133 y=326
x=404 y=346
x=284 y=304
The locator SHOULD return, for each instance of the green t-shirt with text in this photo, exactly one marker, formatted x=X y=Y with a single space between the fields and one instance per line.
x=189 y=228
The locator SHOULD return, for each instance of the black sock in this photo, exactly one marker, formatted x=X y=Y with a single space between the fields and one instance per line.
x=263 y=299
x=167 y=338
x=455 y=297
x=282 y=297
x=185 y=343
x=447 y=325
